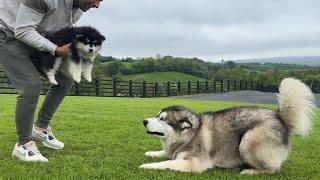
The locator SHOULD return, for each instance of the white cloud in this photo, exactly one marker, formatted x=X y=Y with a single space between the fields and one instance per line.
x=208 y=29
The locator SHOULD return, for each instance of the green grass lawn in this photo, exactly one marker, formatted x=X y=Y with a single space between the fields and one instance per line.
x=162 y=77
x=105 y=139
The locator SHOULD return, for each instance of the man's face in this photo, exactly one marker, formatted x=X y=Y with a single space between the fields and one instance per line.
x=85 y=5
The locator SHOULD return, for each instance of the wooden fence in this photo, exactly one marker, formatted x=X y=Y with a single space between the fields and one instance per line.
x=111 y=87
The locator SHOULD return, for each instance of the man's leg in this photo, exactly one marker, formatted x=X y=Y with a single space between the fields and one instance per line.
x=54 y=97
x=42 y=132
x=25 y=79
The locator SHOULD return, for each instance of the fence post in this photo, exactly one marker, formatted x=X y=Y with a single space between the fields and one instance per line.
x=240 y=85
x=156 y=86
x=168 y=88
x=97 y=86
x=189 y=87
x=77 y=89
x=130 y=88
x=234 y=85
x=314 y=89
x=228 y=86
x=246 y=85
x=198 y=87
x=251 y=85
x=179 y=88
x=311 y=85
x=221 y=87
x=207 y=87
x=214 y=86
x=114 y=87
x=276 y=89
x=144 y=88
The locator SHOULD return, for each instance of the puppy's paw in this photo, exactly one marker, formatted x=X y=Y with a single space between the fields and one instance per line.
x=53 y=81
x=77 y=79
x=89 y=79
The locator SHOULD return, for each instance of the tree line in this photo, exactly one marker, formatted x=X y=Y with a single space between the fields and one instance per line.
x=271 y=73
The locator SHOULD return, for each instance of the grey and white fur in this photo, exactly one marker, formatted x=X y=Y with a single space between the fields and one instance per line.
x=231 y=137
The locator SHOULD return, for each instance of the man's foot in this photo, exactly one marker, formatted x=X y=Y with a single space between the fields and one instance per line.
x=28 y=152
x=46 y=137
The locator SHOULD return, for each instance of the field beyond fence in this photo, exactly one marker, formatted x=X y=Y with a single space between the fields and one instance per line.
x=112 y=87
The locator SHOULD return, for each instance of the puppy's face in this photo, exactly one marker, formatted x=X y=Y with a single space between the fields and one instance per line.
x=172 y=122
x=89 y=44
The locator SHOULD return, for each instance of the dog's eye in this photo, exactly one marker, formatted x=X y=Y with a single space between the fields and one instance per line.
x=161 y=119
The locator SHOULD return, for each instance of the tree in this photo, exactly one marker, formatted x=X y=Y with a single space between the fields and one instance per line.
x=230 y=64
x=238 y=74
x=158 y=56
x=113 y=68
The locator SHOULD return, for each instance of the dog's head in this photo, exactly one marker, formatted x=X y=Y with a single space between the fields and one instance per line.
x=172 y=122
x=89 y=40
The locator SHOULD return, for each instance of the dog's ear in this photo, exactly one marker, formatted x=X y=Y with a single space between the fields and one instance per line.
x=185 y=124
x=159 y=113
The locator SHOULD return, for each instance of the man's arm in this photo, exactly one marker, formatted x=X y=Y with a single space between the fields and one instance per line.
x=29 y=17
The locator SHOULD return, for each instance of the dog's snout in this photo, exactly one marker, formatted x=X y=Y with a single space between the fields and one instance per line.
x=145 y=122
x=91 y=50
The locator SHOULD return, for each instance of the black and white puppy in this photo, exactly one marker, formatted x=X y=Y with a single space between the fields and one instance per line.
x=85 y=44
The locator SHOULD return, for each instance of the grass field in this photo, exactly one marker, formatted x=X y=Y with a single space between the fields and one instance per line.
x=162 y=77
x=105 y=139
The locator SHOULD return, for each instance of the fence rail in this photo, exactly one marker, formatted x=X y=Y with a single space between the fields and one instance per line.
x=111 y=87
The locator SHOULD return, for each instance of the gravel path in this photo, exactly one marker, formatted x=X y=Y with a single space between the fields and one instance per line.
x=242 y=96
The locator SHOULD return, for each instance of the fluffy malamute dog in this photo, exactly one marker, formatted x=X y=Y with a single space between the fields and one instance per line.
x=85 y=44
x=230 y=137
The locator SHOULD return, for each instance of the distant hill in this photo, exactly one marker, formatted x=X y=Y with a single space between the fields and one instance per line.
x=162 y=77
x=303 y=60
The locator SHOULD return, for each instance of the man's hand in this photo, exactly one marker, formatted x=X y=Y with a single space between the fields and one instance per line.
x=64 y=50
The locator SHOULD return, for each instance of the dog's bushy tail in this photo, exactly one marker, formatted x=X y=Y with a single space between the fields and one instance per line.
x=296 y=105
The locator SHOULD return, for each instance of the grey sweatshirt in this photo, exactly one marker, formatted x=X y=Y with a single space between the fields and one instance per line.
x=27 y=19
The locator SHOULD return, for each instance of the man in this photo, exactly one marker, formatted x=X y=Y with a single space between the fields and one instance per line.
x=21 y=23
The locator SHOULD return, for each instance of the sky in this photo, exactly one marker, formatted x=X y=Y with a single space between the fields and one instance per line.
x=207 y=29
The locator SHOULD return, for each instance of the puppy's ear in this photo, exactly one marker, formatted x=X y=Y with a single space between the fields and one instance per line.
x=102 y=38
x=78 y=36
x=185 y=124
x=45 y=34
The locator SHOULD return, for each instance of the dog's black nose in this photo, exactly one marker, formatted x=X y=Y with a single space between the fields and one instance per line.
x=91 y=50
x=145 y=122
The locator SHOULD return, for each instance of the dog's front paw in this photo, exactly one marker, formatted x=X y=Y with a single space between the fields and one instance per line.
x=155 y=154
x=148 y=166
x=257 y=171
x=150 y=154
x=248 y=172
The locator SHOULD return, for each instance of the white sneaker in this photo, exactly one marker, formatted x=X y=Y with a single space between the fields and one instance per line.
x=28 y=152
x=47 y=138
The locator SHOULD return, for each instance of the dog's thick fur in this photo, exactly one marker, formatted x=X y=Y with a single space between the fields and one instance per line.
x=85 y=44
x=228 y=138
